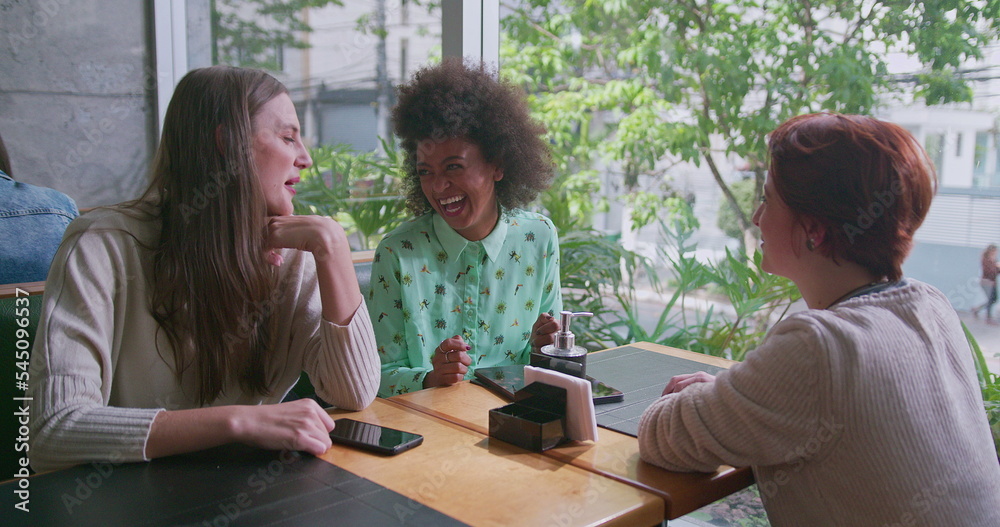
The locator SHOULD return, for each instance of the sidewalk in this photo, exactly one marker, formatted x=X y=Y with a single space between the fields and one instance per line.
x=988 y=337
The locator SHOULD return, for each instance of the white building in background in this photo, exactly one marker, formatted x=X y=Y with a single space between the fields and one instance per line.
x=963 y=141
x=334 y=82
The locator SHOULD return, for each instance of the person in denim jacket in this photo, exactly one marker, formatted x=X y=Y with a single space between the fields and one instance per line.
x=32 y=221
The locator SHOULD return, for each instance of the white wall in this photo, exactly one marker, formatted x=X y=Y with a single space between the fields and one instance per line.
x=959 y=126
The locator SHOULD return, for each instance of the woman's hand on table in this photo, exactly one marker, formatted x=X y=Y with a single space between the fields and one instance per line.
x=543 y=332
x=450 y=362
x=296 y=425
x=679 y=382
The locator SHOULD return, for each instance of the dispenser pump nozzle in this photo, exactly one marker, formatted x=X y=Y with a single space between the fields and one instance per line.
x=565 y=339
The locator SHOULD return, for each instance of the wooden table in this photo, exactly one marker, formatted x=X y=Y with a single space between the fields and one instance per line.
x=456 y=472
x=30 y=288
x=460 y=472
x=614 y=455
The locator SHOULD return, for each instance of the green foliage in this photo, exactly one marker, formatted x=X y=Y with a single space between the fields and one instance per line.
x=743 y=509
x=745 y=191
x=646 y=207
x=598 y=276
x=570 y=201
x=754 y=295
x=360 y=190
x=642 y=84
x=590 y=268
x=990 y=384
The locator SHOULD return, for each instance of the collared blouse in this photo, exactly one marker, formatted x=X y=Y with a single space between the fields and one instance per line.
x=429 y=284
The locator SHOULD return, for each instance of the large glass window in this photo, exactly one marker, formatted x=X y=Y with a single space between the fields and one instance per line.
x=986 y=164
x=339 y=60
x=648 y=105
x=657 y=113
x=934 y=143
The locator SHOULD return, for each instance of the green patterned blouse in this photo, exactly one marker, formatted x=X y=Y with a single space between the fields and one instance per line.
x=429 y=284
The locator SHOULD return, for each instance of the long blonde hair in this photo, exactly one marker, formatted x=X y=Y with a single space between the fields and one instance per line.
x=209 y=276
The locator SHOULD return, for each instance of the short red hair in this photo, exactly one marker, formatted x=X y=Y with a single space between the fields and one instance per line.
x=868 y=182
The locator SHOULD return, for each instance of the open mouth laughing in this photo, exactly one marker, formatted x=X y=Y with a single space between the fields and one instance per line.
x=452 y=206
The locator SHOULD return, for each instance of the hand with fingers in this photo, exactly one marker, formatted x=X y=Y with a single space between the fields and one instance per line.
x=543 y=332
x=679 y=382
x=296 y=425
x=450 y=361
x=319 y=235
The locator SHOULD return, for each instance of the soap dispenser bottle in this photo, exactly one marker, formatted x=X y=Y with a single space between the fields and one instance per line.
x=564 y=355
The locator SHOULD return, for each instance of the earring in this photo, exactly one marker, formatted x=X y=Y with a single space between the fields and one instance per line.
x=810 y=244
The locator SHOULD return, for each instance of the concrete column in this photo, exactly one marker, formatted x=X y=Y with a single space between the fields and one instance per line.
x=76 y=94
x=471 y=28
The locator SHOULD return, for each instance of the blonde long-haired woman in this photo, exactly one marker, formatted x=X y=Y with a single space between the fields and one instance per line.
x=170 y=322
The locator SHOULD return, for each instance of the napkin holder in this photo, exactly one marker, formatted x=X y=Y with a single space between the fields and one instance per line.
x=535 y=421
x=576 y=368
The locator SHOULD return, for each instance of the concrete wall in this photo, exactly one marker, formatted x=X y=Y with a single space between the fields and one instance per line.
x=199 y=33
x=77 y=94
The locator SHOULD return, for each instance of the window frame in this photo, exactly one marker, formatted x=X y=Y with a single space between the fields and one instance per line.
x=468 y=29
x=170 y=49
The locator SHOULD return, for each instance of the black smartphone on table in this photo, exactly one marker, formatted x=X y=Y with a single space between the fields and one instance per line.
x=371 y=437
x=506 y=380
x=603 y=393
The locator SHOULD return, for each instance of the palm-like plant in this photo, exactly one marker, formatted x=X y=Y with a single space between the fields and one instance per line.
x=594 y=279
x=990 y=384
x=361 y=190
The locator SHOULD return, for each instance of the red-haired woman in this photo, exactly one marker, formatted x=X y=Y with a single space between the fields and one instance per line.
x=863 y=409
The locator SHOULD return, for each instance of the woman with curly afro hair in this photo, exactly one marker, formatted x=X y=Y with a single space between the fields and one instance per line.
x=473 y=280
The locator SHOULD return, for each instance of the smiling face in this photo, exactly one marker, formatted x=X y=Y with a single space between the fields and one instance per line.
x=278 y=153
x=780 y=233
x=460 y=185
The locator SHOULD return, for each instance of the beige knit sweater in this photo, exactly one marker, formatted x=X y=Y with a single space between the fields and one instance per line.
x=98 y=379
x=868 y=413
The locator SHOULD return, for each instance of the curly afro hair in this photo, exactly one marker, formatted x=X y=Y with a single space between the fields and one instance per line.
x=455 y=99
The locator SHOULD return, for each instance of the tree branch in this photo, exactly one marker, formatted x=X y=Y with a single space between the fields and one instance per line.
x=541 y=29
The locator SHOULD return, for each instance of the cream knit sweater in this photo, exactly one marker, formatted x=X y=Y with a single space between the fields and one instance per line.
x=98 y=379
x=868 y=413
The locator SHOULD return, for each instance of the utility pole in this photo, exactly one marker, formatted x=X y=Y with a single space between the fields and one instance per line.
x=381 y=76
